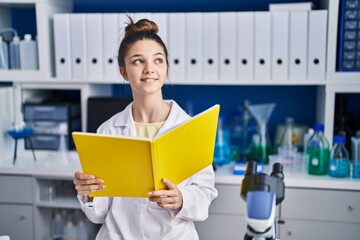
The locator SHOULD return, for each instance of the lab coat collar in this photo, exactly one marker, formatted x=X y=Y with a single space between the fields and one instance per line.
x=125 y=119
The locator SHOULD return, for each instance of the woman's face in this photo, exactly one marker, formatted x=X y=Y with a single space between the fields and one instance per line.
x=145 y=67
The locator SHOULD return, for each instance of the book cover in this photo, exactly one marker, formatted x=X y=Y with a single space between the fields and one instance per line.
x=132 y=166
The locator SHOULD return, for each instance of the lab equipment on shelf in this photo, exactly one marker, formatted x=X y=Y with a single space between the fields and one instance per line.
x=243 y=127
x=339 y=165
x=14 y=49
x=318 y=152
x=355 y=141
x=222 y=153
x=28 y=53
x=262 y=113
x=4 y=54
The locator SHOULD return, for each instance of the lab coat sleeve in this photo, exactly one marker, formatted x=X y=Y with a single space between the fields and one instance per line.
x=97 y=209
x=197 y=196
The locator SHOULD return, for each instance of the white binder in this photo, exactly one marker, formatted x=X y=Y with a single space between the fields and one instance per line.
x=62 y=45
x=94 y=45
x=194 y=46
x=262 y=46
x=317 y=45
x=228 y=46
x=298 y=45
x=280 y=45
x=161 y=20
x=245 y=43
x=210 y=45
x=177 y=39
x=110 y=44
x=78 y=45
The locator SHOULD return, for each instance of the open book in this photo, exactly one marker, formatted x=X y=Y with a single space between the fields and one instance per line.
x=132 y=166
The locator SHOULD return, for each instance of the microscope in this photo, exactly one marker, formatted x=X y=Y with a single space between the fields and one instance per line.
x=262 y=193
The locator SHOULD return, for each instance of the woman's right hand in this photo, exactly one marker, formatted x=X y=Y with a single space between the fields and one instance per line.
x=86 y=183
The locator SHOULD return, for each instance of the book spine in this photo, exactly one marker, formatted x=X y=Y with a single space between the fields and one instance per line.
x=155 y=168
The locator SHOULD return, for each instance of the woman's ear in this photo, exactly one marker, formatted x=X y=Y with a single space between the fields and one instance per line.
x=123 y=73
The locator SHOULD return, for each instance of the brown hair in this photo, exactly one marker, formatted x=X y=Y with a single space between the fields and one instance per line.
x=141 y=30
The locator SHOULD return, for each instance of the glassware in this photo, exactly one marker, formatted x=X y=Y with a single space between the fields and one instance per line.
x=222 y=154
x=339 y=165
x=318 y=152
x=355 y=157
x=262 y=113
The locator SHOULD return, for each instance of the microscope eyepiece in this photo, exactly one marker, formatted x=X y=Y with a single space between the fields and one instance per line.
x=250 y=168
x=277 y=171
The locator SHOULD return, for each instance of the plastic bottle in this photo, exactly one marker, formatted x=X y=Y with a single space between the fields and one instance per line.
x=15 y=53
x=57 y=226
x=82 y=231
x=69 y=231
x=28 y=53
x=4 y=54
x=318 y=152
x=222 y=154
x=339 y=165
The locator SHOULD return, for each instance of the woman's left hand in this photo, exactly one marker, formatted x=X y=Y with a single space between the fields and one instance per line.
x=167 y=199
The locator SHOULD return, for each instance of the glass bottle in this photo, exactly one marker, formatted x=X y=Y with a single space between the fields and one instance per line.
x=236 y=134
x=222 y=154
x=318 y=152
x=339 y=165
x=355 y=156
x=287 y=137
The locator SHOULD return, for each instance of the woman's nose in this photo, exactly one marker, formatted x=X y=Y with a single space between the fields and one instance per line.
x=148 y=68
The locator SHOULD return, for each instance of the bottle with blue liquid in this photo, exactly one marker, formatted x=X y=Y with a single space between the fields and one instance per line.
x=356 y=156
x=339 y=165
x=222 y=154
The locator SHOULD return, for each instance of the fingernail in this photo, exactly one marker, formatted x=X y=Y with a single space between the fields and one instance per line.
x=150 y=193
x=103 y=186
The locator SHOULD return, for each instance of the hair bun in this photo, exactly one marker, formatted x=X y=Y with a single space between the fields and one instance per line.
x=143 y=25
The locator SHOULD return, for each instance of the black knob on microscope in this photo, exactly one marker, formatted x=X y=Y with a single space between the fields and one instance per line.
x=277 y=171
x=250 y=168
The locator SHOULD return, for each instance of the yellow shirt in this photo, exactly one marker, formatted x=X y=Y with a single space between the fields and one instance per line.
x=147 y=130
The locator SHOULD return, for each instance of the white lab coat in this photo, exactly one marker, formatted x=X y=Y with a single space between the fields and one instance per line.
x=138 y=218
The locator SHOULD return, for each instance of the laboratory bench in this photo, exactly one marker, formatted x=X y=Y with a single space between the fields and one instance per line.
x=315 y=207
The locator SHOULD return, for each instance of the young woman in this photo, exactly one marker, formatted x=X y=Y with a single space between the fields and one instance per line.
x=143 y=61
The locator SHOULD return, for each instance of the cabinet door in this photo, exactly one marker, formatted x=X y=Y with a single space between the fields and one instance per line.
x=305 y=229
x=16 y=221
x=321 y=205
x=16 y=189
x=219 y=226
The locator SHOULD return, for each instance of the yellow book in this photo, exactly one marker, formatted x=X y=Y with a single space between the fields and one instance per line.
x=131 y=166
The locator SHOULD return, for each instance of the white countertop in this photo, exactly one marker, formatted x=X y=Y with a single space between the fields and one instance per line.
x=223 y=175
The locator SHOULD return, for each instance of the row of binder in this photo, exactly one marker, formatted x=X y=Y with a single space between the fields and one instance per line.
x=216 y=46
x=349 y=36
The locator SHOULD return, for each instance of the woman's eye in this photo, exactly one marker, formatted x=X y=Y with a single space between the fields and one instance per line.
x=137 y=61
x=158 y=60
